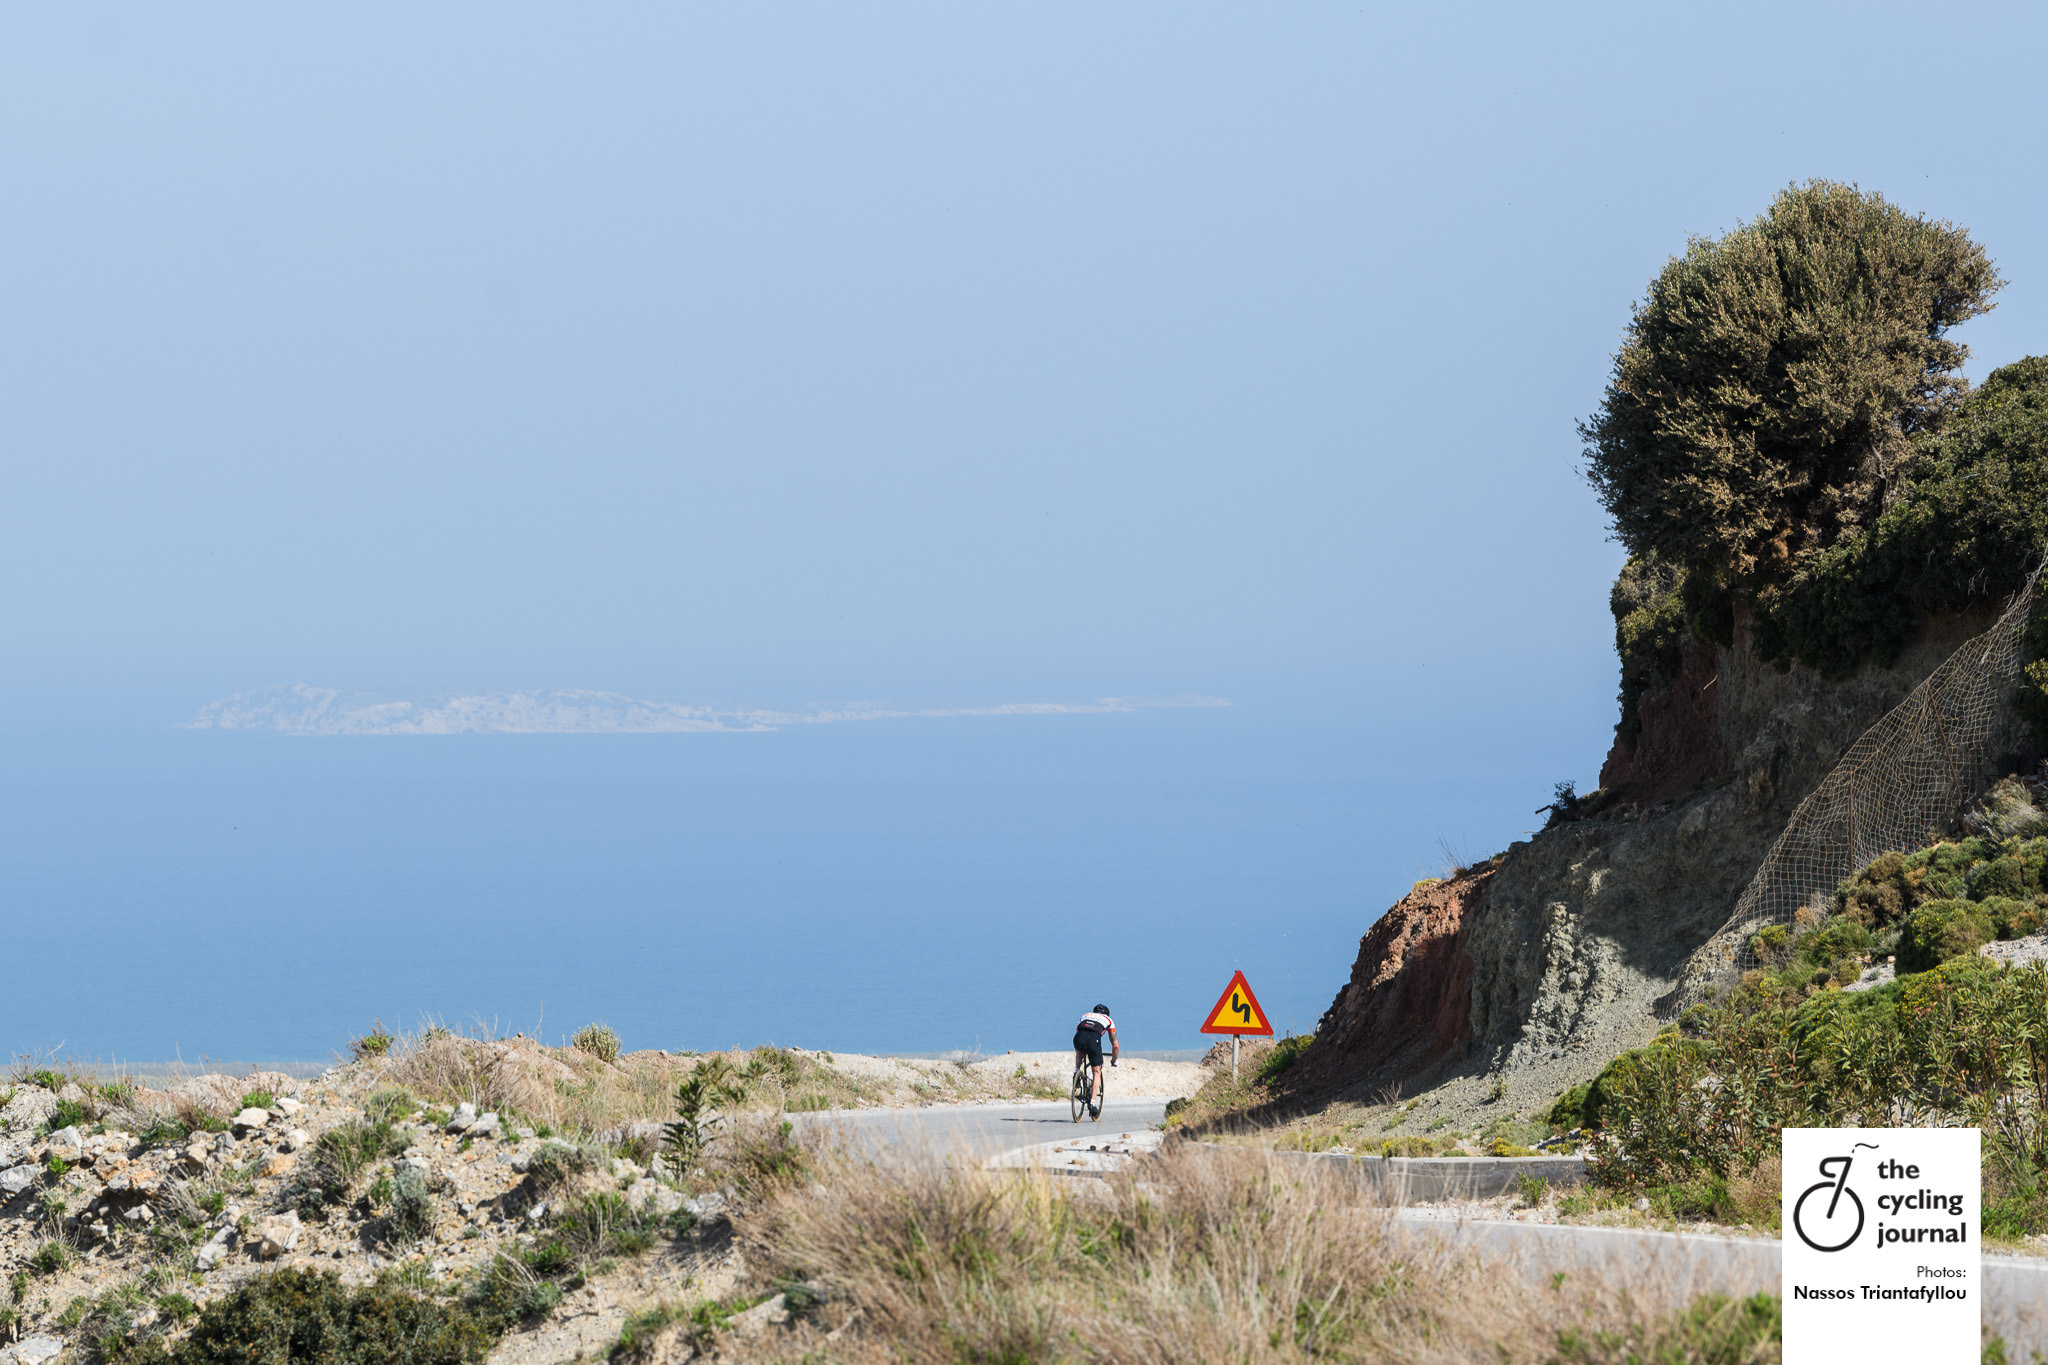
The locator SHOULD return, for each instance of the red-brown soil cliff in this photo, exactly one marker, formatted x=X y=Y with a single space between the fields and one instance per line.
x=1409 y=1001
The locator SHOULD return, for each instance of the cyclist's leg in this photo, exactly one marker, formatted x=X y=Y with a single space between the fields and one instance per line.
x=1095 y=1093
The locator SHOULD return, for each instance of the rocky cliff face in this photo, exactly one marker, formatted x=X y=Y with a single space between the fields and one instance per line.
x=1408 y=1004
x=1558 y=953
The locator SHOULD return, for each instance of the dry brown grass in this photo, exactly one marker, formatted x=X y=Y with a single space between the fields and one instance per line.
x=1201 y=1255
x=565 y=1088
x=576 y=1092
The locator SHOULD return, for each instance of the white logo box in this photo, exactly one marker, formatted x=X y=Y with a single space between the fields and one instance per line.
x=1882 y=1254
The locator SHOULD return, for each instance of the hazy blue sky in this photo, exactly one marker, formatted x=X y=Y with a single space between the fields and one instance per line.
x=808 y=352
x=782 y=356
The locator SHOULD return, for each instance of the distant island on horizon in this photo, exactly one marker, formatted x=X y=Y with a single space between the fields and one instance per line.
x=299 y=708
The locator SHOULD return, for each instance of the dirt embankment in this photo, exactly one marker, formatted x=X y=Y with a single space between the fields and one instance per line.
x=1679 y=745
x=1408 y=1004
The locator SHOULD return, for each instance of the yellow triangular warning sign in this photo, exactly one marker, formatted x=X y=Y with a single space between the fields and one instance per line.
x=1238 y=1011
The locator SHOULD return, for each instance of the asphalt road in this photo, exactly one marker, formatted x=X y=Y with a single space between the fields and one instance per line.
x=971 y=1131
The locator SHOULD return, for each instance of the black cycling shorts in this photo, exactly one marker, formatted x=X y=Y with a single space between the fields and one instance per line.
x=1091 y=1044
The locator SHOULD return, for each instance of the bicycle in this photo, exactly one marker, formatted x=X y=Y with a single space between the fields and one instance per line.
x=1083 y=1085
x=1838 y=1185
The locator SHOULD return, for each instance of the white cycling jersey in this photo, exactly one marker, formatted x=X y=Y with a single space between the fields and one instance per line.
x=1100 y=1023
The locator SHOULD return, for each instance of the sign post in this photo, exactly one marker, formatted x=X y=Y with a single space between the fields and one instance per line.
x=1882 y=1257
x=1237 y=1013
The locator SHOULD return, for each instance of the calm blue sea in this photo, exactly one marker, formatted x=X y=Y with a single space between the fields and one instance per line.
x=891 y=886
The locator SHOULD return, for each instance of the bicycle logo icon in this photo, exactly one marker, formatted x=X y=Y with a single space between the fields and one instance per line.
x=1840 y=1223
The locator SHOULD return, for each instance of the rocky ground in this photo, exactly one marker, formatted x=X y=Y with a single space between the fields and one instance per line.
x=132 y=1206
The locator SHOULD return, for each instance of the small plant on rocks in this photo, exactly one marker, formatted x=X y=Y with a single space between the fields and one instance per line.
x=303 y=1315
x=376 y=1043
x=599 y=1040
x=702 y=1100
x=412 y=1208
x=348 y=1149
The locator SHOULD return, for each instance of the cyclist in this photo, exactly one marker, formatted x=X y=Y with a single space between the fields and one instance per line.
x=1088 y=1045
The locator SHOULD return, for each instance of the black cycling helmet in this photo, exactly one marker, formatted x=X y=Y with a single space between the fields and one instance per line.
x=1102 y=1009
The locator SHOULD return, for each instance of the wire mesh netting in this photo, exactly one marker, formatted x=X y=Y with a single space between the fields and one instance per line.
x=1901 y=784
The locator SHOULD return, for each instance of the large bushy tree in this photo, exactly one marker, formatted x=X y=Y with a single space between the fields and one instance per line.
x=1770 y=383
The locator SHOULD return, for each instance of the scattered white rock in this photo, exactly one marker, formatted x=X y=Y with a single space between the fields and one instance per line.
x=643 y=1193
x=537 y=1212
x=252 y=1118
x=135 y=1180
x=297 y=1140
x=68 y=1138
x=762 y=1316
x=18 y=1178
x=1642 y=1206
x=289 y=1107
x=486 y=1126
x=216 y=1249
x=705 y=1204
x=278 y=1235
x=140 y=1214
x=464 y=1118
x=34 y=1351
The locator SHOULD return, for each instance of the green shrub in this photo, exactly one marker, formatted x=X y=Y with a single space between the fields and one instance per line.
x=412 y=1208
x=703 y=1098
x=2013 y=918
x=49 y=1257
x=1702 y=452
x=1878 y=896
x=1650 y=633
x=599 y=1041
x=1570 y=1110
x=1837 y=938
x=2016 y=1216
x=345 y=1151
x=67 y=1114
x=164 y=1130
x=765 y=1160
x=1972 y=520
x=1713 y=1330
x=376 y=1043
x=390 y=1103
x=556 y=1163
x=1941 y=930
x=1284 y=1054
x=602 y=1224
x=302 y=1315
x=259 y=1099
x=511 y=1290
x=1626 y=1074
x=2003 y=877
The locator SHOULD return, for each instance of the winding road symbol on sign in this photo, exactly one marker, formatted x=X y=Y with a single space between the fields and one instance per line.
x=1237 y=1011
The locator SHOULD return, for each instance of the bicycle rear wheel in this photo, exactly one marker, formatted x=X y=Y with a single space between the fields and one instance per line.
x=1078 y=1092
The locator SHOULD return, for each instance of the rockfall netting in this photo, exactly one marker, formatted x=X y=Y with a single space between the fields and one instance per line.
x=1902 y=783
